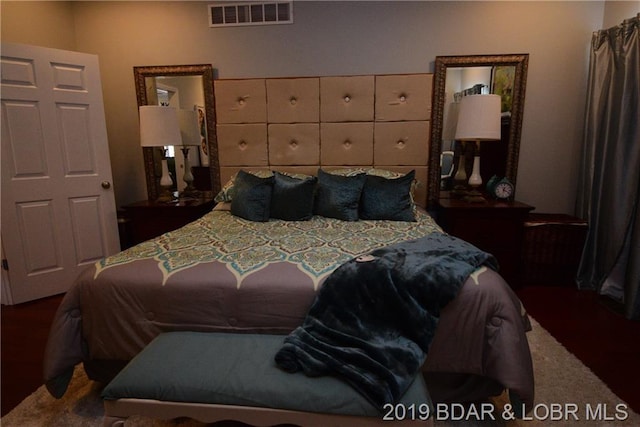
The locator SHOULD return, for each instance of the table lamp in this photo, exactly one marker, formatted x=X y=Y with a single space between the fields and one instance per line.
x=478 y=120
x=190 y=134
x=159 y=128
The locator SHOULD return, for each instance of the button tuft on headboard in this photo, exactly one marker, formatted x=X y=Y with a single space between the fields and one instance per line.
x=293 y=100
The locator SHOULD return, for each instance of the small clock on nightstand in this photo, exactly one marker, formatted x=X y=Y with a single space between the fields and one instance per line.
x=500 y=188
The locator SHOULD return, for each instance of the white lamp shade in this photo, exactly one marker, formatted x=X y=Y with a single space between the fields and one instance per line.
x=479 y=118
x=189 y=128
x=159 y=126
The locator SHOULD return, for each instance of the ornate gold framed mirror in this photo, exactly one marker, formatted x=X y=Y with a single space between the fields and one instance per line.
x=146 y=81
x=515 y=66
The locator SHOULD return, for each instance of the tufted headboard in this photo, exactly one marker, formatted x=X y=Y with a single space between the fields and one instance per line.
x=302 y=124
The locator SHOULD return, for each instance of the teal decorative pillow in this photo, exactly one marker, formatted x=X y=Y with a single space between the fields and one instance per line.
x=228 y=189
x=292 y=197
x=388 y=198
x=377 y=172
x=252 y=196
x=338 y=196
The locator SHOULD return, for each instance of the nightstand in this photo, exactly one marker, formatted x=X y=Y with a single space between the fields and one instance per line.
x=494 y=226
x=149 y=219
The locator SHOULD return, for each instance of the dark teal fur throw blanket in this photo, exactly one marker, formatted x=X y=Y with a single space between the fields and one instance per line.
x=374 y=317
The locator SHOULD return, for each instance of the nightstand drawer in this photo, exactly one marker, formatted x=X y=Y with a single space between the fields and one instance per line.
x=483 y=231
x=494 y=227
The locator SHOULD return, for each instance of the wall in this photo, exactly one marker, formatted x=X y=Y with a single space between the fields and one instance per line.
x=40 y=23
x=342 y=38
x=617 y=11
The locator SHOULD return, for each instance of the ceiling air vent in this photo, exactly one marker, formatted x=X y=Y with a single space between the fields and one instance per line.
x=256 y=13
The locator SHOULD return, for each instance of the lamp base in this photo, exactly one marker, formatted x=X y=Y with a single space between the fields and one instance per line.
x=166 y=183
x=189 y=192
x=474 y=197
x=475 y=180
x=459 y=191
x=460 y=177
x=166 y=195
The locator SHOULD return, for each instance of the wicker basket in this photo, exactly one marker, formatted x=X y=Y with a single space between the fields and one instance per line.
x=552 y=249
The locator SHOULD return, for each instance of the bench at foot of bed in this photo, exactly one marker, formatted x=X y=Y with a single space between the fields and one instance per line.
x=215 y=376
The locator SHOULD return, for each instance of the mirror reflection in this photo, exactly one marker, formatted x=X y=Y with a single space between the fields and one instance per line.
x=458 y=157
x=185 y=88
x=456 y=77
x=181 y=93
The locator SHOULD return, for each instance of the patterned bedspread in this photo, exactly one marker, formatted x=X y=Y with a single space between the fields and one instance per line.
x=224 y=274
x=316 y=246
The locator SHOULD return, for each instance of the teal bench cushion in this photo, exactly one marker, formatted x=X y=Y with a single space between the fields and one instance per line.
x=237 y=369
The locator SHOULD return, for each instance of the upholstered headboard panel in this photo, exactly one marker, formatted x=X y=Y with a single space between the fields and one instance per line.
x=301 y=124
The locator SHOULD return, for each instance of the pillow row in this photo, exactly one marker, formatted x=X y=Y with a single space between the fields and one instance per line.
x=298 y=198
x=225 y=195
x=277 y=196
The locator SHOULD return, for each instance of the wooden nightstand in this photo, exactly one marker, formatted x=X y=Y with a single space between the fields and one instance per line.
x=149 y=219
x=494 y=226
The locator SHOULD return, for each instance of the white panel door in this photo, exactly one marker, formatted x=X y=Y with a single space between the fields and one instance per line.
x=58 y=209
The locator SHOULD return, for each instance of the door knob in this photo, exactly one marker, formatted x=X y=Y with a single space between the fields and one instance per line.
x=106 y=185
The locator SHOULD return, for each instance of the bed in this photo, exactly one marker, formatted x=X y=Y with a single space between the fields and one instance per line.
x=228 y=273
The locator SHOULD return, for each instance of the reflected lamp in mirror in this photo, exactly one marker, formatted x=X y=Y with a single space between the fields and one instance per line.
x=190 y=134
x=159 y=128
x=478 y=120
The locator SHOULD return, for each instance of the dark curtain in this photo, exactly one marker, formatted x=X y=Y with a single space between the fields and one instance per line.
x=609 y=185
